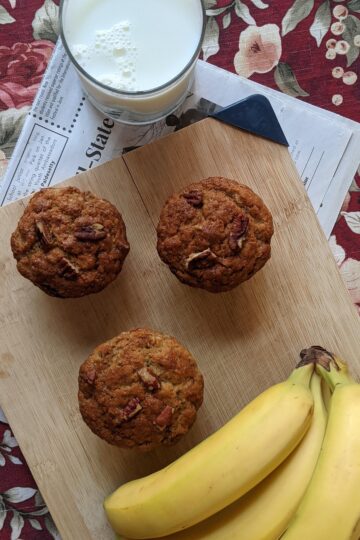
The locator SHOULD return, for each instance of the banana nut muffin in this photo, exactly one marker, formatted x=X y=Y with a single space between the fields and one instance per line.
x=214 y=234
x=140 y=390
x=69 y=242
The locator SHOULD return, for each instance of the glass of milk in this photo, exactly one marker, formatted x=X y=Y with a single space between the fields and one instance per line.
x=135 y=58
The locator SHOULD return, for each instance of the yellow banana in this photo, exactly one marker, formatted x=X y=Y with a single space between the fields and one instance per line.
x=264 y=512
x=326 y=393
x=330 y=509
x=220 y=469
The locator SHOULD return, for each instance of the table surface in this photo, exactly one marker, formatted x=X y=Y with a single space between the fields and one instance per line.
x=308 y=49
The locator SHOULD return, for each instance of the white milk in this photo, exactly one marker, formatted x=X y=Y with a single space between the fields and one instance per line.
x=134 y=46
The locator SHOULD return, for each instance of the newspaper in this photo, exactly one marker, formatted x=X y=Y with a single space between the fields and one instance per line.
x=65 y=135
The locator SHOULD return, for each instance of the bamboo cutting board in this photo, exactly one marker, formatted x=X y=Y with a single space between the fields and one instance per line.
x=244 y=340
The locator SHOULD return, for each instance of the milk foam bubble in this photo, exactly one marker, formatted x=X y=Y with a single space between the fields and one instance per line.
x=115 y=44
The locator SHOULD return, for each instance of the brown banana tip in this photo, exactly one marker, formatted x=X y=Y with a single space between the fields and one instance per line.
x=317 y=355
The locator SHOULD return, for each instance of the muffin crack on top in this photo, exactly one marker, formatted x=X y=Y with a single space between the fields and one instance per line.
x=69 y=243
x=215 y=234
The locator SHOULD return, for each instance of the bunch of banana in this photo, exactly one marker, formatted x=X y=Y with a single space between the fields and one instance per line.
x=219 y=470
x=312 y=494
x=330 y=509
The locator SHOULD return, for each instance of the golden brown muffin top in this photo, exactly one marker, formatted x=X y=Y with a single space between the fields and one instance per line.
x=69 y=242
x=140 y=389
x=214 y=234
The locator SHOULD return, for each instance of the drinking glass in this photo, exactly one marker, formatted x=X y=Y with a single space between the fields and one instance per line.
x=135 y=107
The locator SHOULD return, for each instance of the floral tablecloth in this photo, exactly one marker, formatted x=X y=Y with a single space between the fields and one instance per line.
x=306 y=48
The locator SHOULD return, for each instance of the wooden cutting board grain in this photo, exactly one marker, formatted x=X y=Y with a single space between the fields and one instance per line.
x=244 y=340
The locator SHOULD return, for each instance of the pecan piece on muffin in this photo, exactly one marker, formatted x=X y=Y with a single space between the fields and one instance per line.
x=141 y=389
x=214 y=234
x=69 y=243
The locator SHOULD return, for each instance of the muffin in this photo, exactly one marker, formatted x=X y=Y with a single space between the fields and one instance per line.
x=214 y=234
x=141 y=390
x=69 y=243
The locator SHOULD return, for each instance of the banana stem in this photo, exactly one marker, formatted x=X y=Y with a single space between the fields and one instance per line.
x=316 y=355
x=334 y=377
x=333 y=370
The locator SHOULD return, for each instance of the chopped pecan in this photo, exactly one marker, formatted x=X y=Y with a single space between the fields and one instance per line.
x=194 y=198
x=203 y=259
x=211 y=232
x=91 y=233
x=90 y=376
x=43 y=234
x=67 y=270
x=130 y=410
x=236 y=238
x=163 y=420
x=149 y=379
